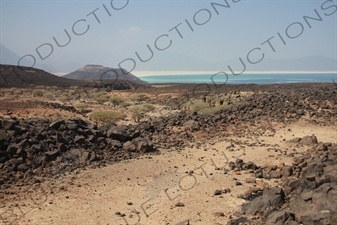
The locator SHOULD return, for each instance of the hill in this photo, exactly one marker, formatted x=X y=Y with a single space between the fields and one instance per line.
x=99 y=72
x=15 y=76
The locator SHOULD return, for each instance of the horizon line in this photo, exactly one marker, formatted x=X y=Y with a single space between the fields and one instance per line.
x=182 y=72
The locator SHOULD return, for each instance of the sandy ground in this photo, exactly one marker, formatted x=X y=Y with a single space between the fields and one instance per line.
x=146 y=190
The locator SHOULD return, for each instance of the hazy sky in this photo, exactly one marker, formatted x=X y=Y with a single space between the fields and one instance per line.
x=223 y=33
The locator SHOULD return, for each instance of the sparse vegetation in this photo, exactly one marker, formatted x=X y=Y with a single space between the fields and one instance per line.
x=99 y=94
x=143 y=108
x=196 y=105
x=81 y=106
x=37 y=93
x=107 y=116
x=101 y=97
x=125 y=104
x=138 y=112
x=72 y=92
x=212 y=110
x=136 y=116
x=202 y=107
x=138 y=98
x=48 y=95
x=116 y=101
x=147 y=107
x=16 y=92
x=75 y=94
x=64 y=99
x=73 y=87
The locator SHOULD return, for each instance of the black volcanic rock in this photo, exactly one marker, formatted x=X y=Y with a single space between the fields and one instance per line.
x=47 y=152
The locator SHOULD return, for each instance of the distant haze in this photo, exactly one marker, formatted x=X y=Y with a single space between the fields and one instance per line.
x=63 y=36
x=185 y=65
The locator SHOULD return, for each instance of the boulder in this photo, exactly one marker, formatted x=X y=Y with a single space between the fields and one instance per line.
x=3 y=135
x=129 y=146
x=312 y=172
x=8 y=124
x=308 y=140
x=143 y=145
x=270 y=200
x=280 y=218
x=56 y=124
x=12 y=149
x=118 y=133
x=287 y=171
x=192 y=125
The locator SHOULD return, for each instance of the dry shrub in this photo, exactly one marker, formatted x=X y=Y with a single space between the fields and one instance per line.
x=107 y=116
x=81 y=106
x=147 y=107
x=116 y=101
x=38 y=93
x=138 y=98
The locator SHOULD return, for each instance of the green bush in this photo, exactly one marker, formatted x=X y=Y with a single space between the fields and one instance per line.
x=125 y=104
x=64 y=99
x=16 y=92
x=98 y=94
x=72 y=92
x=102 y=98
x=142 y=108
x=138 y=98
x=81 y=106
x=48 y=95
x=107 y=116
x=196 y=105
x=212 y=110
x=147 y=107
x=116 y=101
x=136 y=116
x=135 y=108
x=37 y=93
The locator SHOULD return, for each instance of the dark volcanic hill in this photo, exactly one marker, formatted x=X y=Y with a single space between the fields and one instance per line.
x=15 y=76
x=98 y=72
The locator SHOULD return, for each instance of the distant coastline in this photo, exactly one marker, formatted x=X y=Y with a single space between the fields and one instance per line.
x=245 y=78
x=174 y=73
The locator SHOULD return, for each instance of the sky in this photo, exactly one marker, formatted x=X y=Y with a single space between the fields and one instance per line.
x=117 y=30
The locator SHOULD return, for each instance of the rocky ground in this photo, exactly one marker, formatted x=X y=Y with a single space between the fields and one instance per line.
x=267 y=157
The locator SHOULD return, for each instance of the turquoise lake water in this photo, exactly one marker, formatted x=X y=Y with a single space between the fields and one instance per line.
x=281 y=78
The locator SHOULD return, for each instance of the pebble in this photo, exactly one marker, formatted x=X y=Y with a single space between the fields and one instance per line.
x=218 y=214
x=217 y=192
x=180 y=204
